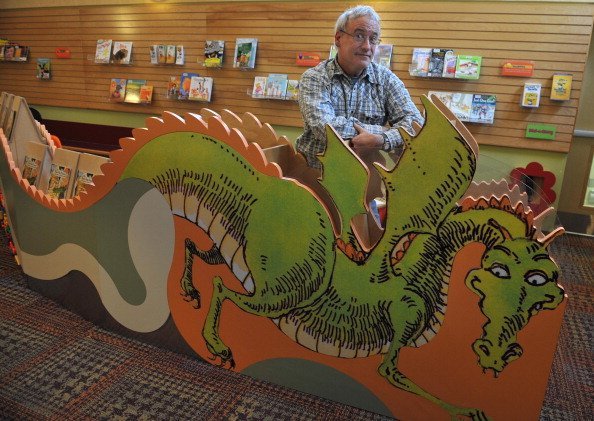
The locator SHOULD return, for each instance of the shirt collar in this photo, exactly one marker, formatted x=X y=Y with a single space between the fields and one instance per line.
x=369 y=72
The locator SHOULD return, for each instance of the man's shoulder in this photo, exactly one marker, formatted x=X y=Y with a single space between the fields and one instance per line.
x=322 y=67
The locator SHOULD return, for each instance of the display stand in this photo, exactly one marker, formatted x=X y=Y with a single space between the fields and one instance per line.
x=262 y=267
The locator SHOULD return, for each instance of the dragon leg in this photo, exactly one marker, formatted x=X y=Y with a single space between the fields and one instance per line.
x=389 y=366
x=212 y=256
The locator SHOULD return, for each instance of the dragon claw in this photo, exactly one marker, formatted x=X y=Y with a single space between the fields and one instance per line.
x=221 y=353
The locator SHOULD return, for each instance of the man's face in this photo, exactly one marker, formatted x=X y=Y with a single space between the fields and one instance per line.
x=355 y=56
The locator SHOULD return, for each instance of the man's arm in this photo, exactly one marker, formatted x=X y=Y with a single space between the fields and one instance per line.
x=401 y=112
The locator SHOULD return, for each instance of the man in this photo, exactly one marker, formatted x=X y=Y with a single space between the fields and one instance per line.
x=357 y=97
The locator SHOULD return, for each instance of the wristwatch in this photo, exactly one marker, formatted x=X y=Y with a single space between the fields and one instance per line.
x=386 y=146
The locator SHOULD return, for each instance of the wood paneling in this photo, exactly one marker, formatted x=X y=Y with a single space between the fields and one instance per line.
x=555 y=36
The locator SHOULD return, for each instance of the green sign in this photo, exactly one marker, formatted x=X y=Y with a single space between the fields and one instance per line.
x=541 y=131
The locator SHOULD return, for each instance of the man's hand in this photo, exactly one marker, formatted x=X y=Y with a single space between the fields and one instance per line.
x=365 y=140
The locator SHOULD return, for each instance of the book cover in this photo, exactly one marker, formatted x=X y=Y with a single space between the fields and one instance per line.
x=468 y=67
x=88 y=167
x=333 y=52
x=245 y=53
x=445 y=97
x=59 y=181
x=292 y=90
x=154 y=54
x=531 y=95
x=61 y=174
x=180 y=55
x=161 y=54
x=561 y=87
x=35 y=154
x=133 y=87
x=483 y=108
x=173 y=87
x=170 y=54
x=421 y=58
x=117 y=90
x=200 y=88
x=213 y=53
x=103 y=51
x=121 y=52
x=276 y=86
x=146 y=94
x=436 y=62
x=460 y=105
x=449 y=64
x=259 y=89
x=184 y=85
x=44 y=68
x=383 y=55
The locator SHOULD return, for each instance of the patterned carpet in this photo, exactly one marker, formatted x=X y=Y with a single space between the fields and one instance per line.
x=56 y=366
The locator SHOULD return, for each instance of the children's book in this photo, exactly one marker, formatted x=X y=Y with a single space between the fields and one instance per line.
x=421 y=58
x=531 y=95
x=460 y=105
x=153 y=51
x=44 y=68
x=213 y=53
x=333 y=52
x=170 y=54
x=88 y=167
x=436 y=62
x=259 y=89
x=200 y=88
x=561 y=87
x=383 y=55
x=36 y=154
x=483 y=108
x=173 y=87
x=146 y=94
x=468 y=67
x=61 y=176
x=184 y=85
x=121 y=52
x=445 y=97
x=161 y=54
x=245 y=53
x=117 y=90
x=449 y=64
x=103 y=51
x=180 y=56
x=276 y=86
x=133 y=88
x=292 y=90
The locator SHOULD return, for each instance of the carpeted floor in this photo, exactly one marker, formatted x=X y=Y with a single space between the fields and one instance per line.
x=55 y=365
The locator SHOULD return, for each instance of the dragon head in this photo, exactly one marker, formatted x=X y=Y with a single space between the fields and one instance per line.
x=516 y=280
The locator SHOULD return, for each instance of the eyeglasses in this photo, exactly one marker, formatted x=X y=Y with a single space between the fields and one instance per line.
x=360 y=38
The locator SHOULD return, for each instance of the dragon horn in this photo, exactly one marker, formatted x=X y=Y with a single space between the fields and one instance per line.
x=503 y=230
x=546 y=241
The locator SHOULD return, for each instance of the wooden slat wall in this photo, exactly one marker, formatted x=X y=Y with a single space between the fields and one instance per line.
x=555 y=36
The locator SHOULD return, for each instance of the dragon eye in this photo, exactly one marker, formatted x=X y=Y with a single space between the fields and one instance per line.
x=536 y=278
x=499 y=270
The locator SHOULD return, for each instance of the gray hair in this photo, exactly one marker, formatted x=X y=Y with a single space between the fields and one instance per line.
x=354 y=13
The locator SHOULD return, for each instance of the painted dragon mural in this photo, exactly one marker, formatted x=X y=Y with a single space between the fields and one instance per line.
x=290 y=238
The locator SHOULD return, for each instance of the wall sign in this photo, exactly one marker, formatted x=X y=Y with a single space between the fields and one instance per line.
x=541 y=131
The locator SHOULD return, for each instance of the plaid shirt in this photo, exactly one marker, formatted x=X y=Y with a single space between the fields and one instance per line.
x=375 y=99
